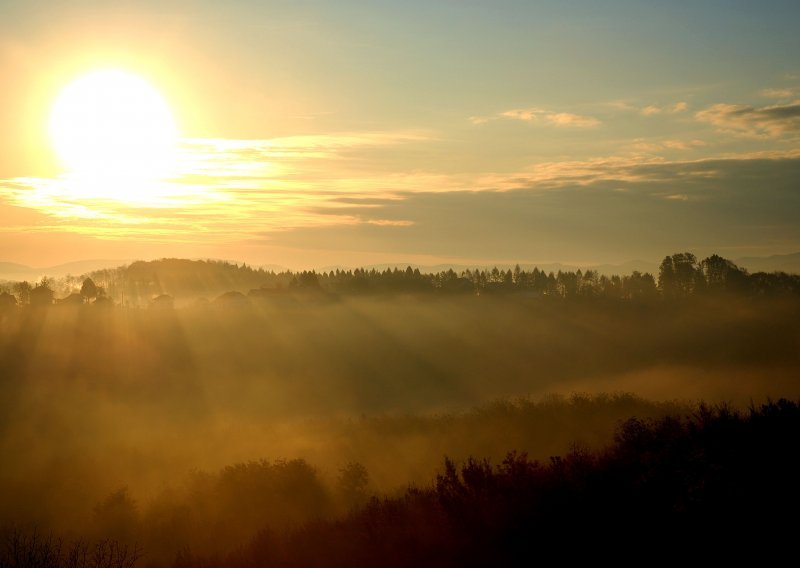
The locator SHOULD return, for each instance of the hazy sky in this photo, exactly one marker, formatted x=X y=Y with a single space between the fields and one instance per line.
x=355 y=132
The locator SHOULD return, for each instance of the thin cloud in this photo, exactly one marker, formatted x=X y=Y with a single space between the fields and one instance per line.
x=746 y=198
x=756 y=122
x=390 y=223
x=778 y=93
x=224 y=188
x=621 y=105
x=541 y=115
x=683 y=144
x=233 y=189
x=569 y=119
x=524 y=114
x=650 y=110
x=630 y=169
x=652 y=146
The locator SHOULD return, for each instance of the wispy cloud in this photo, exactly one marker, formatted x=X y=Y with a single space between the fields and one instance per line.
x=524 y=114
x=541 y=116
x=683 y=144
x=569 y=119
x=630 y=169
x=228 y=190
x=756 y=122
x=390 y=223
x=744 y=199
x=621 y=105
x=653 y=146
x=221 y=187
x=780 y=94
x=650 y=110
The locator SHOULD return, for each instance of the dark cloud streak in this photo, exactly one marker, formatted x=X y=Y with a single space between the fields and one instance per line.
x=770 y=121
x=638 y=211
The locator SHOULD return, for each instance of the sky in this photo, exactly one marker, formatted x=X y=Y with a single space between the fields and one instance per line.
x=467 y=132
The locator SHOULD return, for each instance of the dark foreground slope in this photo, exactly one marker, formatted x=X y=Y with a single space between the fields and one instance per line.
x=96 y=398
x=714 y=482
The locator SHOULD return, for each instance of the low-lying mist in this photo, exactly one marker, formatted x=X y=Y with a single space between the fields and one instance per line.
x=109 y=411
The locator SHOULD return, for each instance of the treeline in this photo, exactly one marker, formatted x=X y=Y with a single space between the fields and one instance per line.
x=674 y=484
x=35 y=549
x=212 y=512
x=140 y=282
x=680 y=275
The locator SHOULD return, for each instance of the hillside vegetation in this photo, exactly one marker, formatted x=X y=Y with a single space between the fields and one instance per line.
x=276 y=416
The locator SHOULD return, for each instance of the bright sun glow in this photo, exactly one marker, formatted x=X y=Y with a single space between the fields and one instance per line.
x=112 y=128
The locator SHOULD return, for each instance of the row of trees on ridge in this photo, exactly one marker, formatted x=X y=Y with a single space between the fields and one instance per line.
x=680 y=275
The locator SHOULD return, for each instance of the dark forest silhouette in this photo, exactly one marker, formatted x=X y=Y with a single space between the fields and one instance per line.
x=669 y=484
x=680 y=275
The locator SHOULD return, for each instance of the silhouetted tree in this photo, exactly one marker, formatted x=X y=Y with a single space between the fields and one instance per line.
x=679 y=484
x=117 y=517
x=352 y=483
x=639 y=286
x=567 y=283
x=89 y=289
x=775 y=284
x=680 y=276
x=667 y=281
x=34 y=549
x=589 y=284
x=23 y=291
x=306 y=280
x=722 y=275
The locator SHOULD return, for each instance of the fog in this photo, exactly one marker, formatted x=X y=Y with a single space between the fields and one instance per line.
x=110 y=411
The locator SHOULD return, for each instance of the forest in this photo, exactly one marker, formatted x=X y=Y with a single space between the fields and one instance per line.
x=198 y=413
x=138 y=284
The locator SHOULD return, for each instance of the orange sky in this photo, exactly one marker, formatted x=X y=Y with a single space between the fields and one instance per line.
x=313 y=134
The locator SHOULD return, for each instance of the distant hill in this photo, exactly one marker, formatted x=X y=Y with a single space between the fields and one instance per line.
x=14 y=271
x=12 y=268
x=181 y=278
x=627 y=267
x=776 y=263
x=209 y=277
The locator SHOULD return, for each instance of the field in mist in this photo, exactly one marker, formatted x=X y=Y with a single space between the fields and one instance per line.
x=196 y=427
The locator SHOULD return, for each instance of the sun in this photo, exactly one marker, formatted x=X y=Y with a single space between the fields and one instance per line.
x=112 y=126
